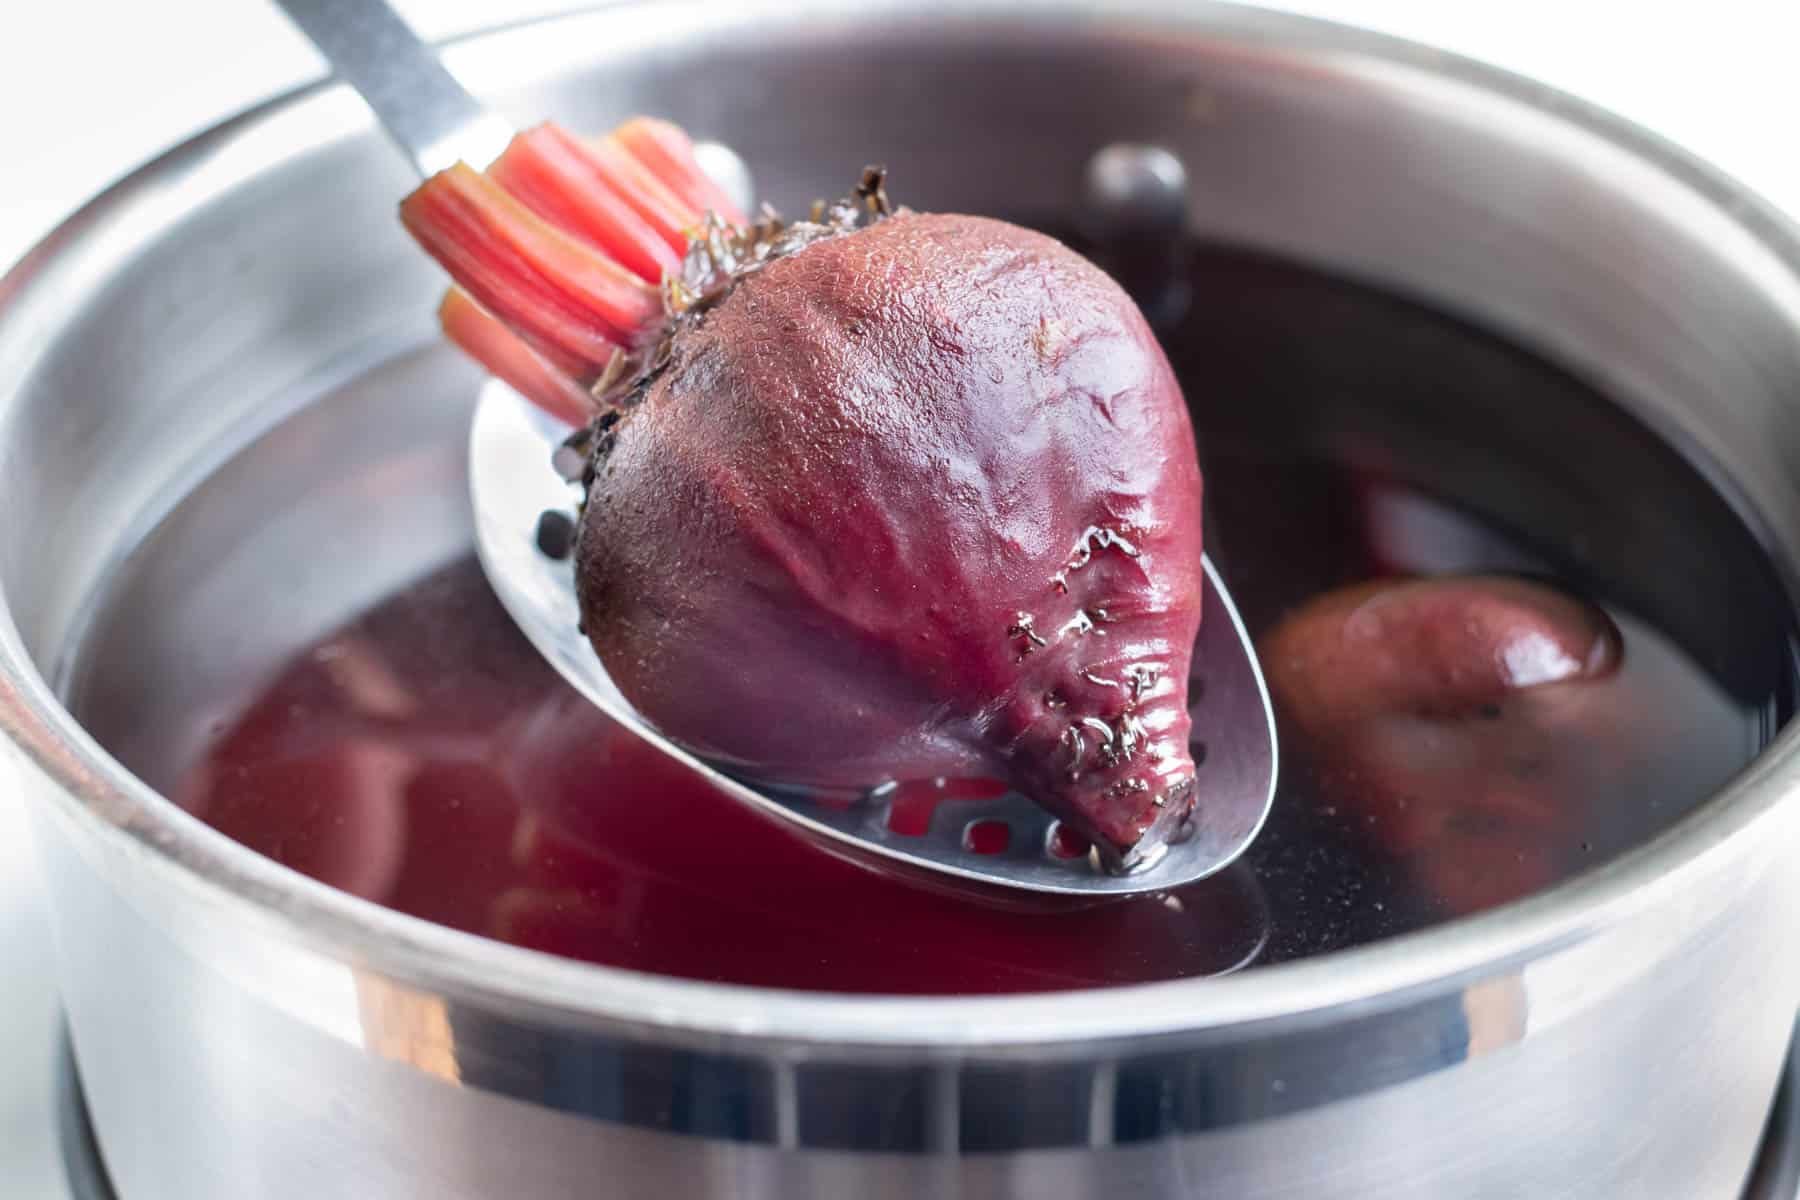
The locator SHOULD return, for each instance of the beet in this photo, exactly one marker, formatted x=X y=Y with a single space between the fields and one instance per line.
x=871 y=500
x=1454 y=716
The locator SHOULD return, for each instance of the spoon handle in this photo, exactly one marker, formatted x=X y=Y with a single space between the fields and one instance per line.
x=431 y=116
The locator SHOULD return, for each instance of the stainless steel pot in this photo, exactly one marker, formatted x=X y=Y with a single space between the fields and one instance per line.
x=246 y=1032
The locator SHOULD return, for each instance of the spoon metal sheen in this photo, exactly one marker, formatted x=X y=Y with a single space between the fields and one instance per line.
x=513 y=484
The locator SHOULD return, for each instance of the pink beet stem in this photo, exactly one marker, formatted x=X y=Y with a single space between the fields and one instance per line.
x=669 y=153
x=557 y=178
x=482 y=337
x=563 y=296
x=639 y=187
x=557 y=248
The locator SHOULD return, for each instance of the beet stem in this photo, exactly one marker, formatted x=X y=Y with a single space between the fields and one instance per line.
x=483 y=337
x=672 y=218
x=669 y=154
x=568 y=254
x=556 y=177
x=558 y=293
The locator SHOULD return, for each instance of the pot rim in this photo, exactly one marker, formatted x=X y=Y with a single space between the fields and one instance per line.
x=103 y=799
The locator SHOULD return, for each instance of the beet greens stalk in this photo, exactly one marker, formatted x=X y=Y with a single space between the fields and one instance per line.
x=873 y=495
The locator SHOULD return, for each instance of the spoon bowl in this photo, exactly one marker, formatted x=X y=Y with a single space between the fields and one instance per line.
x=1000 y=842
x=513 y=484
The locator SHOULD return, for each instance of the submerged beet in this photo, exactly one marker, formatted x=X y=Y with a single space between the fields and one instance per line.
x=876 y=501
x=1455 y=715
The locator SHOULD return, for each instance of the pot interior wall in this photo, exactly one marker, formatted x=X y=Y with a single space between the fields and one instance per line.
x=225 y=426
x=207 y=305
x=218 y=314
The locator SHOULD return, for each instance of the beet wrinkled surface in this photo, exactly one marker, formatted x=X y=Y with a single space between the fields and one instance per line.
x=920 y=499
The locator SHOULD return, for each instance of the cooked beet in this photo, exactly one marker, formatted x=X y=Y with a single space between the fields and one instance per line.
x=1454 y=715
x=873 y=501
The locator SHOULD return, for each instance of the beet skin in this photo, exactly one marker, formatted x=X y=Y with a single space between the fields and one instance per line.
x=1454 y=717
x=919 y=499
x=867 y=500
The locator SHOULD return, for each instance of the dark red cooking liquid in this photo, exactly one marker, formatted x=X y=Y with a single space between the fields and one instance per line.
x=425 y=758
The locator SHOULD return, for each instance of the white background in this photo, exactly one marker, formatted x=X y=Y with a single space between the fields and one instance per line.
x=89 y=88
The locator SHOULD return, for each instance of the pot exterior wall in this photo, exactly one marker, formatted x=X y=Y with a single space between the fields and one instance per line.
x=235 y=1033
x=221 y=1063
